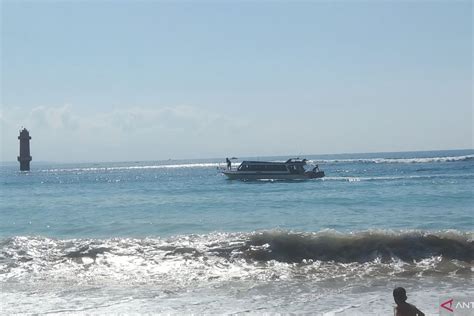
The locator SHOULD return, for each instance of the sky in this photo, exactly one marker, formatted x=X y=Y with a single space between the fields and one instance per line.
x=151 y=80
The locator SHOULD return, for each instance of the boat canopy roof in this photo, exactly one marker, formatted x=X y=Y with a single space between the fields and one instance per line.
x=289 y=161
x=249 y=162
x=296 y=160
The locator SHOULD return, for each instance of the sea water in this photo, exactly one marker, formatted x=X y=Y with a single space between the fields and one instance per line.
x=178 y=237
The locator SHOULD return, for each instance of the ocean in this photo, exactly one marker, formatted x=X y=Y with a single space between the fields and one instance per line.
x=177 y=237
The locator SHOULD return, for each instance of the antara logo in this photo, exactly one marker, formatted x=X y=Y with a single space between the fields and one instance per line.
x=458 y=304
x=448 y=305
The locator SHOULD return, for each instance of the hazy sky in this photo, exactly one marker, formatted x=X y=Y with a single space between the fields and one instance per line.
x=148 y=80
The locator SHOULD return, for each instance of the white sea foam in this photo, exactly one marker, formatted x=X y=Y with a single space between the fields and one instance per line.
x=396 y=160
x=112 y=168
x=359 y=297
x=269 y=255
x=389 y=178
x=222 y=165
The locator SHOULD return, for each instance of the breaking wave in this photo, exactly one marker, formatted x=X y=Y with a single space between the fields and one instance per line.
x=397 y=160
x=174 y=166
x=360 y=247
x=221 y=165
x=230 y=256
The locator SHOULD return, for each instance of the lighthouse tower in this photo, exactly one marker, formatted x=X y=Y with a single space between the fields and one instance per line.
x=24 y=157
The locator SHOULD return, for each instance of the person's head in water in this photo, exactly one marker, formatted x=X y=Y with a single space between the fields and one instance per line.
x=403 y=308
x=399 y=295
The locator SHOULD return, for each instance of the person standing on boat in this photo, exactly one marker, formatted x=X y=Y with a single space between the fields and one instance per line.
x=229 y=164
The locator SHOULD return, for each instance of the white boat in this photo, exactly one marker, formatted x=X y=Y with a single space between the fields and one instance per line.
x=292 y=169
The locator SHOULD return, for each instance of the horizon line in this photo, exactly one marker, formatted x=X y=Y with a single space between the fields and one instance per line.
x=215 y=158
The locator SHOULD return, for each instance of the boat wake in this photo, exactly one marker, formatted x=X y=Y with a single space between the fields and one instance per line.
x=402 y=177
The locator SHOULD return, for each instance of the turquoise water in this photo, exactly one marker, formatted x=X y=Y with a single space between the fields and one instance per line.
x=184 y=197
x=183 y=229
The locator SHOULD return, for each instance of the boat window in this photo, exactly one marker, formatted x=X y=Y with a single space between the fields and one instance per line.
x=263 y=167
x=243 y=167
x=277 y=168
x=293 y=169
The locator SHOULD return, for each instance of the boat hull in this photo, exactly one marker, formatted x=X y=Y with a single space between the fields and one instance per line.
x=241 y=175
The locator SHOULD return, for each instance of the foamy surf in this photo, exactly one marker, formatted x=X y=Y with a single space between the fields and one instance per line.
x=397 y=160
x=265 y=255
x=158 y=166
x=220 y=165
x=323 y=273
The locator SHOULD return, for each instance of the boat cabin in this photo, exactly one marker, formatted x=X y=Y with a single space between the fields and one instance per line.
x=294 y=166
